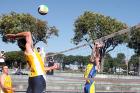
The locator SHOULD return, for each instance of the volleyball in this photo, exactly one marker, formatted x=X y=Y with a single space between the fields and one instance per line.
x=43 y=9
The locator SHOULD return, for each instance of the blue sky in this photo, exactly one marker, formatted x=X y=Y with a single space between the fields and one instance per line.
x=62 y=14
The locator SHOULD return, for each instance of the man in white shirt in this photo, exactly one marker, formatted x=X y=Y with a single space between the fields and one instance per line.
x=42 y=53
x=2 y=59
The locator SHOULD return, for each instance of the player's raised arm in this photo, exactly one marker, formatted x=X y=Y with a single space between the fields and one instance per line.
x=24 y=40
x=26 y=35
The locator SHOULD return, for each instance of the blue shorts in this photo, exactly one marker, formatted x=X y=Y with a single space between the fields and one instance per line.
x=36 y=84
x=89 y=87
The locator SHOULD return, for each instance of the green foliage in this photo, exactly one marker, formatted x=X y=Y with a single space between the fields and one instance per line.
x=15 y=56
x=134 y=41
x=14 y=23
x=134 y=61
x=121 y=56
x=61 y=58
x=120 y=60
x=109 y=63
x=92 y=26
x=82 y=60
x=117 y=62
x=69 y=59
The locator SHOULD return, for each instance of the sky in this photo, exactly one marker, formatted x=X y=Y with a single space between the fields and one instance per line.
x=63 y=13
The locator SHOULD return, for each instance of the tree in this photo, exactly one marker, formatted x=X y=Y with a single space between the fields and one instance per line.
x=134 y=63
x=82 y=60
x=14 y=23
x=59 y=58
x=120 y=61
x=109 y=63
x=69 y=59
x=134 y=41
x=15 y=56
x=91 y=26
x=121 y=56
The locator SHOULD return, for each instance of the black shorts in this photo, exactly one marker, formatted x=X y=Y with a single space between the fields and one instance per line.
x=36 y=84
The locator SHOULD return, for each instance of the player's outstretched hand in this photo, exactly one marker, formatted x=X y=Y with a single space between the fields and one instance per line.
x=56 y=66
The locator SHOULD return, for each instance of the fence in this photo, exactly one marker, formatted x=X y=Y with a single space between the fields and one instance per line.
x=74 y=83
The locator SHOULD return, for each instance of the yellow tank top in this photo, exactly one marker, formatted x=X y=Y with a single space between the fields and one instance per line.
x=8 y=83
x=90 y=72
x=36 y=64
x=88 y=69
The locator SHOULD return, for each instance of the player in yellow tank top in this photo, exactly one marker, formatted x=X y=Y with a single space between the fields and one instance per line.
x=91 y=69
x=6 y=81
x=36 y=81
x=36 y=64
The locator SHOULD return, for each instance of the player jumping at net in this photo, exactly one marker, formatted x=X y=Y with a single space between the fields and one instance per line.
x=36 y=81
x=92 y=68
